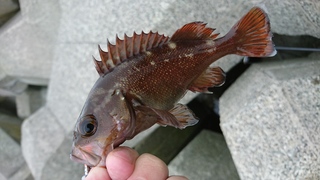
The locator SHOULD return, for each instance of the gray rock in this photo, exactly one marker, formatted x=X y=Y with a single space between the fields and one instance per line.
x=7 y=6
x=12 y=164
x=306 y=15
x=73 y=76
x=11 y=125
x=2 y=74
x=222 y=15
x=205 y=157
x=23 y=105
x=11 y=86
x=30 y=101
x=270 y=119
x=60 y=163
x=41 y=136
x=26 y=46
x=38 y=97
x=315 y=55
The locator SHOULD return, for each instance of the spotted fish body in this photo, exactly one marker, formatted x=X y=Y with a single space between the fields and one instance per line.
x=144 y=76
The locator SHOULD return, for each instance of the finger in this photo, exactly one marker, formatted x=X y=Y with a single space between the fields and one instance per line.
x=150 y=167
x=120 y=162
x=98 y=173
x=177 y=178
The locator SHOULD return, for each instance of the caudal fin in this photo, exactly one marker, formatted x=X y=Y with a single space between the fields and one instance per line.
x=251 y=35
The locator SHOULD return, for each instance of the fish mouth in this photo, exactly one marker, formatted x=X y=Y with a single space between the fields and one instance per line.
x=82 y=156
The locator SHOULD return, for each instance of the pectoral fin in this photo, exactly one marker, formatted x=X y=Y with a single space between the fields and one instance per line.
x=213 y=76
x=179 y=117
x=145 y=118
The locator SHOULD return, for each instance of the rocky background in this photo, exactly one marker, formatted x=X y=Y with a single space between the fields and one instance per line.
x=269 y=116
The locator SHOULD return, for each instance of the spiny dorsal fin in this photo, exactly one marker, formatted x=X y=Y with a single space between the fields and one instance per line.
x=194 y=31
x=127 y=48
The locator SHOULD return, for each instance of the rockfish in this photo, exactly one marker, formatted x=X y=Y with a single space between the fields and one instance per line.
x=144 y=76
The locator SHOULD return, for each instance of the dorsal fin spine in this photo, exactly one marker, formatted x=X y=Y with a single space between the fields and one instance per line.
x=157 y=41
x=151 y=38
x=118 y=50
x=111 y=54
x=98 y=66
x=125 y=46
x=131 y=47
x=143 y=42
x=103 y=55
x=166 y=40
x=109 y=49
x=136 y=42
x=126 y=49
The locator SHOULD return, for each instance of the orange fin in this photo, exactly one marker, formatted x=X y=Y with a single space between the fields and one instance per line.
x=127 y=48
x=144 y=119
x=184 y=115
x=213 y=76
x=252 y=36
x=179 y=117
x=194 y=31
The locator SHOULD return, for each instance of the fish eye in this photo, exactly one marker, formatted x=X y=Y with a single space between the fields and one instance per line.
x=87 y=126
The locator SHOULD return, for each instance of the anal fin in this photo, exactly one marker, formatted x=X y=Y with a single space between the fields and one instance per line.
x=212 y=77
x=184 y=116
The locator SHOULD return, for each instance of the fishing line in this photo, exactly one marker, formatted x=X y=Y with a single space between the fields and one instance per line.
x=284 y=48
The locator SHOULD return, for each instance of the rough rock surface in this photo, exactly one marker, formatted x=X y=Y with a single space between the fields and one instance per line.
x=270 y=119
x=41 y=136
x=7 y=10
x=206 y=156
x=7 y=6
x=27 y=41
x=12 y=164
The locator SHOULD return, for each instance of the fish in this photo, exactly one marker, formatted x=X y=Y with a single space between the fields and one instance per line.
x=142 y=78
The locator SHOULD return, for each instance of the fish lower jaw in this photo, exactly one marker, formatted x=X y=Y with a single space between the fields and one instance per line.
x=81 y=156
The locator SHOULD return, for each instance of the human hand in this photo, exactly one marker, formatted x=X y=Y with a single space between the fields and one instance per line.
x=125 y=163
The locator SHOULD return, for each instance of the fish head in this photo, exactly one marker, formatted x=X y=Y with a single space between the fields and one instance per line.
x=90 y=145
x=104 y=123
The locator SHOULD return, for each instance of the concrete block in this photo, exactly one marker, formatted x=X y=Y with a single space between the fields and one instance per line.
x=269 y=118
x=12 y=164
x=11 y=125
x=7 y=9
x=27 y=42
x=2 y=74
x=23 y=105
x=30 y=101
x=11 y=86
x=73 y=76
x=59 y=165
x=38 y=97
x=162 y=16
x=7 y=6
x=205 y=157
x=41 y=137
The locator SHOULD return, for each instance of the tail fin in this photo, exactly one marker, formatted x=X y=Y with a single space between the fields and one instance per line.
x=251 y=35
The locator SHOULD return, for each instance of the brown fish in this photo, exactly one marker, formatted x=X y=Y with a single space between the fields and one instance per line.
x=144 y=76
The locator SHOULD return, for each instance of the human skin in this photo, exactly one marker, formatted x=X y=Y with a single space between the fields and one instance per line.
x=125 y=163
